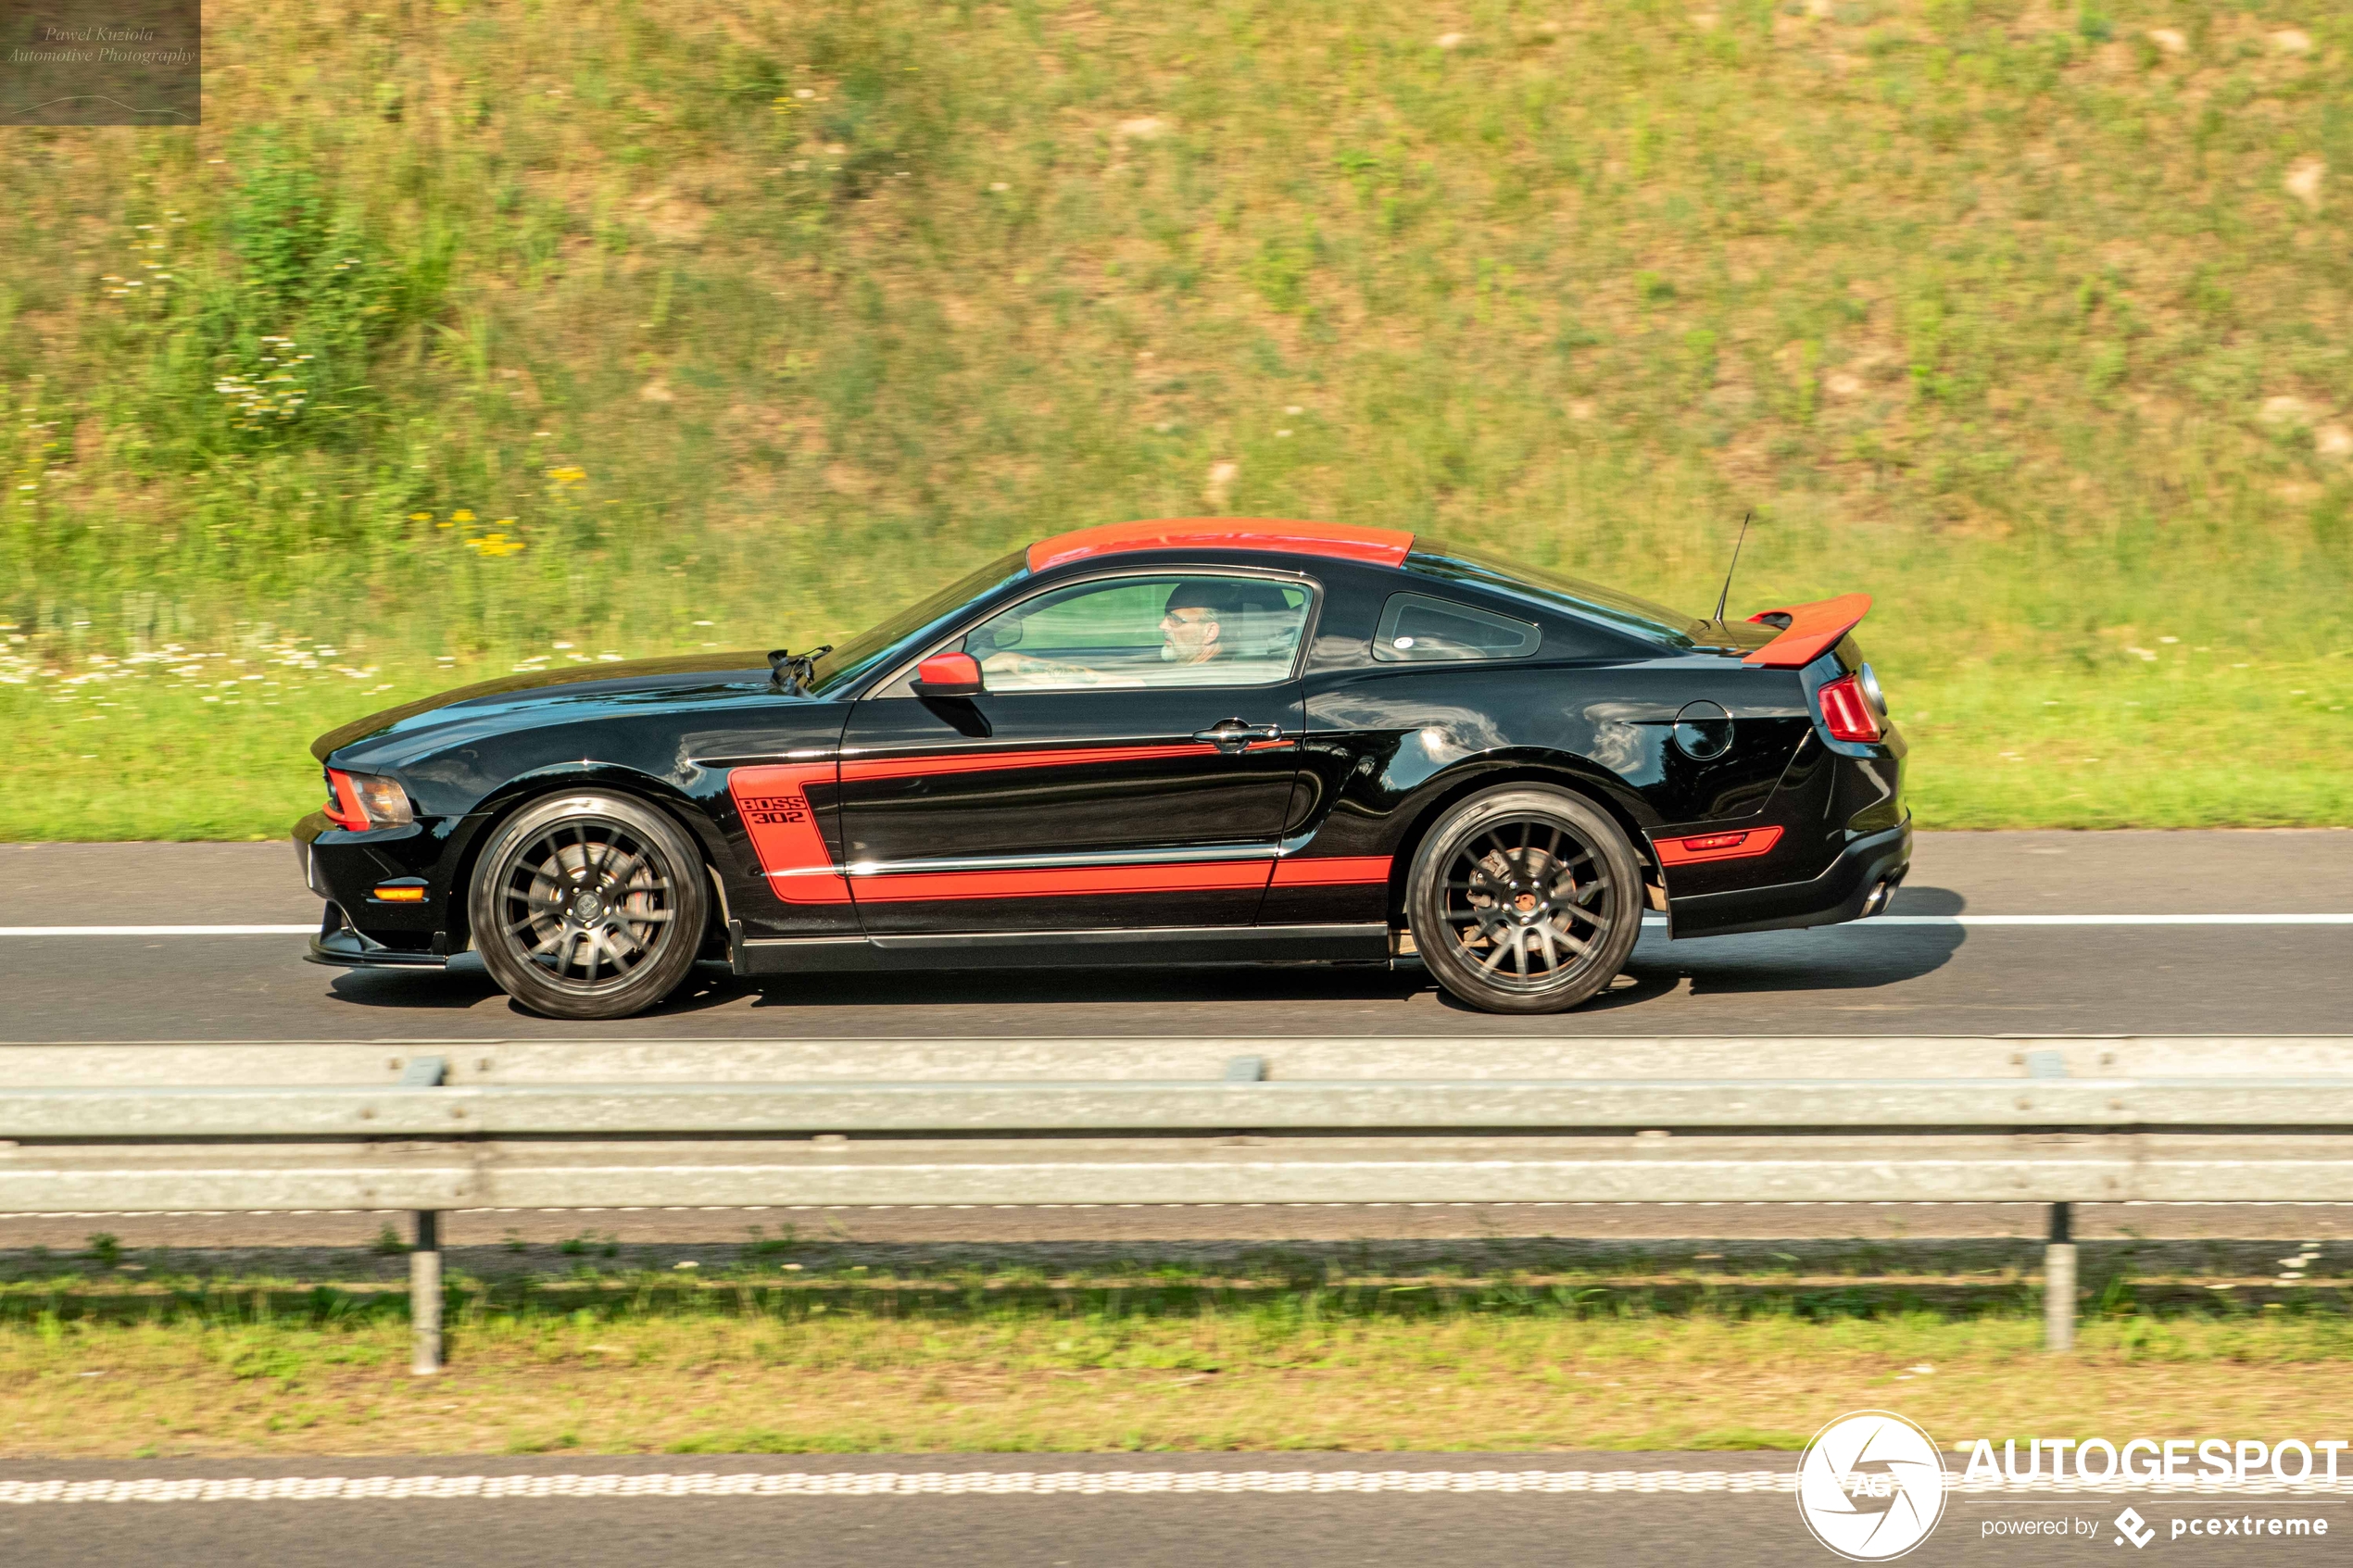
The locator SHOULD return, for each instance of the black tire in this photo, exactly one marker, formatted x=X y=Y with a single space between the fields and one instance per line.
x=589 y=906
x=1524 y=900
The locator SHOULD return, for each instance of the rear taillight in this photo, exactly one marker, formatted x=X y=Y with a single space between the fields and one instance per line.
x=1847 y=712
x=360 y=801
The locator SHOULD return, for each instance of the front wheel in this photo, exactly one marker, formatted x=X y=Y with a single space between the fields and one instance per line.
x=1524 y=900
x=589 y=906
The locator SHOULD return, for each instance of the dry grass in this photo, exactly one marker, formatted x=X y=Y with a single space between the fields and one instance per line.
x=1168 y=1366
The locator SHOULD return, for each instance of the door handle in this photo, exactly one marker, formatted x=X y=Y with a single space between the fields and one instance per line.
x=1233 y=733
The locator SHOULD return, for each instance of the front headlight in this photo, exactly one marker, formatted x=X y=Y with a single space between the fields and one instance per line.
x=360 y=801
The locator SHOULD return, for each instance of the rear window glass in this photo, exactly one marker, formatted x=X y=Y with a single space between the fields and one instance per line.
x=1555 y=590
x=1417 y=629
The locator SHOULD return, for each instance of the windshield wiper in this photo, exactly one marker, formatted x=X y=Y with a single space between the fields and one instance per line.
x=790 y=671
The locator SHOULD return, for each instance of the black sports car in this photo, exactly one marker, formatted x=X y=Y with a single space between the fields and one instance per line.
x=1189 y=741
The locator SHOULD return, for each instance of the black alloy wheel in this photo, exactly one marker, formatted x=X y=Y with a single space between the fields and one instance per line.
x=589 y=906
x=1524 y=900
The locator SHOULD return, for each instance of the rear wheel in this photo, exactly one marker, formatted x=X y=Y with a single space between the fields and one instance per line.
x=589 y=906
x=1524 y=900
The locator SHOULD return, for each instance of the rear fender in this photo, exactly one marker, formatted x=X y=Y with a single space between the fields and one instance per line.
x=1498 y=771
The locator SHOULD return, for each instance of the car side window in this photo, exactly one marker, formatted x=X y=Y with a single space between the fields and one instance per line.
x=1164 y=630
x=1417 y=629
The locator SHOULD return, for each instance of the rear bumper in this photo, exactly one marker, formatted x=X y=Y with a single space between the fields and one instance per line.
x=1840 y=893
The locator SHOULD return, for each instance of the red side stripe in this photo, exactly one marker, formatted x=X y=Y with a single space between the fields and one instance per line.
x=1739 y=845
x=992 y=762
x=773 y=801
x=1337 y=871
x=1192 y=877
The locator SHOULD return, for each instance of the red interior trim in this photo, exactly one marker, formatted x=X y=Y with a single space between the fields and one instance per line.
x=1739 y=844
x=1209 y=876
x=1813 y=630
x=1377 y=546
x=773 y=801
x=993 y=761
x=1334 y=871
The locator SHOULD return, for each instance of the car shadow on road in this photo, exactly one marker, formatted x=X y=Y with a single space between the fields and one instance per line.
x=1826 y=958
x=1856 y=955
x=465 y=985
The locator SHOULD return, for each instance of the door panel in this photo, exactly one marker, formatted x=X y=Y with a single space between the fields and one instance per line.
x=1079 y=810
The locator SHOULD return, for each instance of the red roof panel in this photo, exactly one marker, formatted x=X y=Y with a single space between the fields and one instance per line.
x=1380 y=546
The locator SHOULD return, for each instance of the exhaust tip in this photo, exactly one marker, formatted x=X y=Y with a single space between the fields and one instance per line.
x=1880 y=896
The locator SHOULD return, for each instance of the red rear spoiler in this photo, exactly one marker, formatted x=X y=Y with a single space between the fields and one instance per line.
x=1809 y=630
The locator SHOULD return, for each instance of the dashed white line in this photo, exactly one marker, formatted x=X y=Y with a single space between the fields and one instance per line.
x=1079 y=1482
x=862 y=1483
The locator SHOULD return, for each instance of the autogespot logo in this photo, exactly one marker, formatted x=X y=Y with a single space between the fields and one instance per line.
x=1870 y=1486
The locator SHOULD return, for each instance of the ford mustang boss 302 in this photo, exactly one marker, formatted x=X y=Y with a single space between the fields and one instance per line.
x=1193 y=741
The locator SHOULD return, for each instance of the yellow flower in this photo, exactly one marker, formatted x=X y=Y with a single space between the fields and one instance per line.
x=420 y=517
x=462 y=515
x=567 y=475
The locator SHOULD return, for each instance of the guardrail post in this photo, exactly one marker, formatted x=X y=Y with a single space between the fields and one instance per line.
x=424 y=1296
x=2059 y=1281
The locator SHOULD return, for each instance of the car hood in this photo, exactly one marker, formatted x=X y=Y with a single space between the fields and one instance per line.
x=637 y=679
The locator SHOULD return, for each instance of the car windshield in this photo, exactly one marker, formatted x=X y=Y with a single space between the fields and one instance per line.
x=879 y=644
x=1453 y=563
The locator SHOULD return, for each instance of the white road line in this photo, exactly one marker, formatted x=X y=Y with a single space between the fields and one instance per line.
x=310 y=930
x=2105 y=920
x=1954 y=920
x=1082 y=1483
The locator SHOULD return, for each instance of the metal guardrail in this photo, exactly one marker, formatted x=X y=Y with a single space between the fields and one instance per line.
x=431 y=1126
x=1173 y=1106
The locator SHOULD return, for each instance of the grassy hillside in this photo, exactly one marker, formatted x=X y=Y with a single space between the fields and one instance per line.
x=473 y=332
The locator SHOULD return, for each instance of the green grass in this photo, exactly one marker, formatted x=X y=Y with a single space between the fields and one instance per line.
x=757 y=1360
x=2188 y=741
x=679 y=326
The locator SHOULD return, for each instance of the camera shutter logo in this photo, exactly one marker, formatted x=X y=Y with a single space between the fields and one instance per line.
x=1870 y=1486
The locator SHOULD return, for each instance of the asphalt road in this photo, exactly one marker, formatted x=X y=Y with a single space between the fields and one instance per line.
x=2089 y=978
x=1866 y=979
x=1064 y=1531
x=1858 y=979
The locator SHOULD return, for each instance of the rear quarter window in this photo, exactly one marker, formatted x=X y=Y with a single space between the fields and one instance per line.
x=1420 y=629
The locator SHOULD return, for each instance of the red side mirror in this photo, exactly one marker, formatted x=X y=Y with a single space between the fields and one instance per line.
x=949 y=674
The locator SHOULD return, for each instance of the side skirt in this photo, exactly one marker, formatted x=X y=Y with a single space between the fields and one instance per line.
x=1061 y=950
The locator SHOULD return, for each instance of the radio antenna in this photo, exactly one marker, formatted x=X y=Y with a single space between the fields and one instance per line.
x=1726 y=593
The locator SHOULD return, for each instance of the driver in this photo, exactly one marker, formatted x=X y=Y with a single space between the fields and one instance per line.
x=1192 y=626
x=1192 y=630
